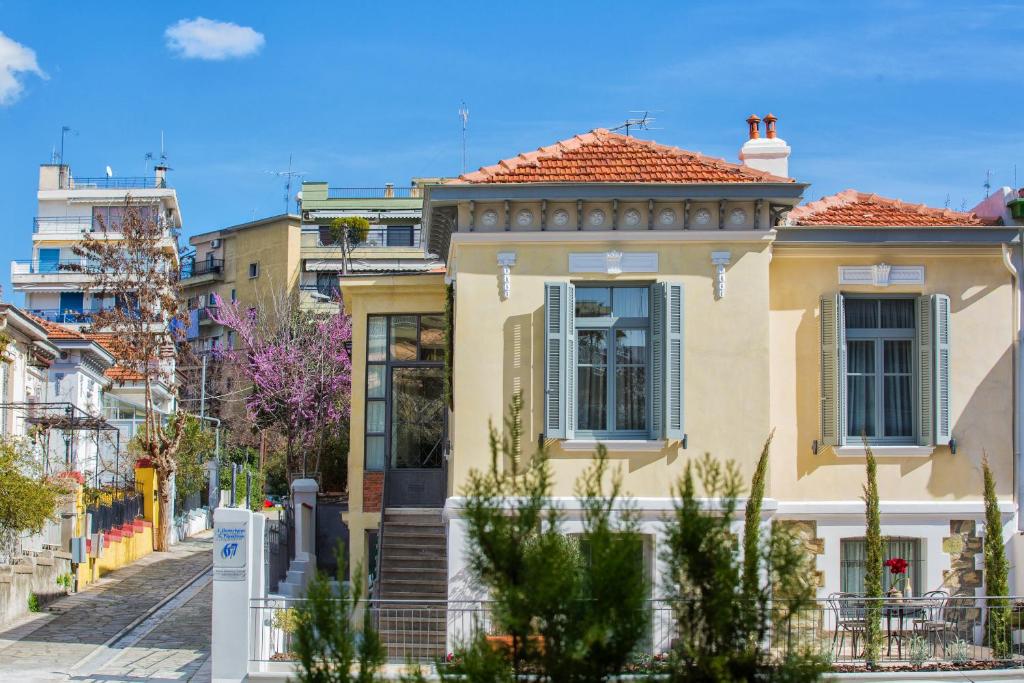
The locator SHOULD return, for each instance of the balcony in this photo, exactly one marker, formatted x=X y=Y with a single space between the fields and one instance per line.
x=378 y=236
x=63 y=316
x=64 y=225
x=206 y=315
x=47 y=274
x=207 y=269
x=386 y=192
x=114 y=183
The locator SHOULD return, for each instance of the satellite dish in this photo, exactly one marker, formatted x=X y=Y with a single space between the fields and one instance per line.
x=110 y=172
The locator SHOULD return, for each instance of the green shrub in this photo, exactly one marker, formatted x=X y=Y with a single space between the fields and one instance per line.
x=33 y=602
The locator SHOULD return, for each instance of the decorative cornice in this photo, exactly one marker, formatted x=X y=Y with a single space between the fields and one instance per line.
x=506 y=259
x=881 y=275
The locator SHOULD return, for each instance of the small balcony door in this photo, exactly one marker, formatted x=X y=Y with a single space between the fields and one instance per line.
x=49 y=260
x=415 y=471
x=72 y=301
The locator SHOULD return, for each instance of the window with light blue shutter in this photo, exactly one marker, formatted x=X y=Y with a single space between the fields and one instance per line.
x=556 y=320
x=674 y=328
x=941 y=315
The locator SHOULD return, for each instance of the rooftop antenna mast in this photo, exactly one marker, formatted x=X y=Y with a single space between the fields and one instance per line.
x=288 y=175
x=464 y=117
x=988 y=183
x=64 y=130
x=641 y=122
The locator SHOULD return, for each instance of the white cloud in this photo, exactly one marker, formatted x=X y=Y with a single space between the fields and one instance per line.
x=15 y=59
x=203 y=38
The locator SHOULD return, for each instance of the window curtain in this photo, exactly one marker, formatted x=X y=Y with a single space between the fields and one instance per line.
x=853 y=564
x=860 y=388
x=898 y=394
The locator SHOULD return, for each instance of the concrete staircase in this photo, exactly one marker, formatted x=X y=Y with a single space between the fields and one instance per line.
x=414 y=581
x=300 y=572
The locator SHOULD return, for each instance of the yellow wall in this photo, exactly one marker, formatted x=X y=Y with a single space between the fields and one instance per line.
x=499 y=350
x=120 y=553
x=362 y=297
x=981 y=347
x=275 y=246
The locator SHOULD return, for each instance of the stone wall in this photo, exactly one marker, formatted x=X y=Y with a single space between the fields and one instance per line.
x=964 y=546
x=30 y=575
x=807 y=531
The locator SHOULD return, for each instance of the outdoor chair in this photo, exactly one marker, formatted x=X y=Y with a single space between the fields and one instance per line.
x=934 y=621
x=848 y=609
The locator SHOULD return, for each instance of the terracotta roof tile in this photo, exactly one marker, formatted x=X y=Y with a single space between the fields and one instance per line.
x=122 y=374
x=601 y=156
x=854 y=208
x=57 y=331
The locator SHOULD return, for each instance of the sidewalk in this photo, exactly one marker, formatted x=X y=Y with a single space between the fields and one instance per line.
x=46 y=646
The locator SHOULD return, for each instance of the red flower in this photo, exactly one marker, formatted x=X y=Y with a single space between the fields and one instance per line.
x=267 y=504
x=896 y=565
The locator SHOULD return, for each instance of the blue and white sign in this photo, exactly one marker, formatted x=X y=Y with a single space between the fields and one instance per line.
x=230 y=551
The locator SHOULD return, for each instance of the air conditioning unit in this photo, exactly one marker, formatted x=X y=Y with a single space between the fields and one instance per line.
x=214 y=244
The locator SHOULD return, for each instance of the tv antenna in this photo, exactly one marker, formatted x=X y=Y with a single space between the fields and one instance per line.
x=64 y=130
x=464 y=117
x=640 y=122
x=988 y=183
x=288 y=175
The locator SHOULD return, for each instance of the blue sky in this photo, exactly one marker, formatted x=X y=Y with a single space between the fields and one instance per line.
x=915 y=100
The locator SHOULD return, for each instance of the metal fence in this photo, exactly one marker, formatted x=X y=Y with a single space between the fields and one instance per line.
x=277 y=541
x=386 y=192
x=121 y=511
x=922 y=631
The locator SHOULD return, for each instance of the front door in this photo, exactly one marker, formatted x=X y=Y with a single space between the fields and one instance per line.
x=416 y=474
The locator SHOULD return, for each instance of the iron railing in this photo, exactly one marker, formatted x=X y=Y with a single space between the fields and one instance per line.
x=931 y=631
x=63 y=316
x=378 y=236
x=118 y=512
x=62 y=266
x=197 y=267
x=64 y=224
x=277 y=540
x=385 y=192
x=114 y=183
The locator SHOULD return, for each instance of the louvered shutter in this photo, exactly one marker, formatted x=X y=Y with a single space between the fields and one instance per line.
x=559 y=359
x=657 y=299
x=940 y=312
x=569 y=395
x=833 y=371
x=925 y=371
x=674 y=327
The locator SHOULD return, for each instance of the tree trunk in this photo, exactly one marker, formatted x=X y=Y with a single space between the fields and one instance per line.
x=162 y=531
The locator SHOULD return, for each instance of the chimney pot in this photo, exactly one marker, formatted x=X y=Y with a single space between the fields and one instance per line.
x=754 y=122
x=769 y=125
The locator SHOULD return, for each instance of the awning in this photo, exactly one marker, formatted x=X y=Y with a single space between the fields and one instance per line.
x=369 y=215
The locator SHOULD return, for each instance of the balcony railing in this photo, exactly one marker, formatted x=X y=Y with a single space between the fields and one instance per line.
x=64 y=224
x=195 y=268
x=206 y=314
x=386 y=192
x=37 y=267
x=379 y=236
x=64 y=316
x=115 y=183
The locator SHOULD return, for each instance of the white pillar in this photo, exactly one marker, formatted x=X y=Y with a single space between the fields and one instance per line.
x=304 y=501
x=234 y=542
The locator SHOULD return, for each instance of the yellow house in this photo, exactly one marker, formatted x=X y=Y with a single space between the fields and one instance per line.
x=669 y=304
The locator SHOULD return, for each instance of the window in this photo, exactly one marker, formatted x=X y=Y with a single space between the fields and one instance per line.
x=400 y=235
x=613 y=364
x=885 y=370
x=612 y=370
x=110 y=217
x=254 y=270
x=327 y=284
x=880 y=337
x=234 y=296
x=405 y=411
x=853 y=564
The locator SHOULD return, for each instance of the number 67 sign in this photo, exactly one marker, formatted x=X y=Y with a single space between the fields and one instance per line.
x=230 y=551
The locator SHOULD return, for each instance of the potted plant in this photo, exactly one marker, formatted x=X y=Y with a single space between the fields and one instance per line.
x=900 y=586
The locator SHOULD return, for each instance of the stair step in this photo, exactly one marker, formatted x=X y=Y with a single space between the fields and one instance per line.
x=390 y=544
x=412 y=595
x=394 y=572
x=424 y=561
x=414 y=520
x=414 y=533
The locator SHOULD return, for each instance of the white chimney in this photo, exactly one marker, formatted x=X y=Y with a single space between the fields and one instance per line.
x=770 y=153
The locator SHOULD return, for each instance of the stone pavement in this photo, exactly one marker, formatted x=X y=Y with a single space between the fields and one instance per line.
x=46 y=646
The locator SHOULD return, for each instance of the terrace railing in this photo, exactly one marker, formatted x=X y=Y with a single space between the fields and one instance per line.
x=385 y=192
x=115 y=183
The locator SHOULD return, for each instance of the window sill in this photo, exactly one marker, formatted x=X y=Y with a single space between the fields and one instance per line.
x=633 y=445
x=885 y=451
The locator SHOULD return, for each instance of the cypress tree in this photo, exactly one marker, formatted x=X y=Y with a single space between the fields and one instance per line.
x=874 y=559
x=996 y=569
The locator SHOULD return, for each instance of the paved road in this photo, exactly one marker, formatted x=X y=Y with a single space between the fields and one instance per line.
x=65 y=642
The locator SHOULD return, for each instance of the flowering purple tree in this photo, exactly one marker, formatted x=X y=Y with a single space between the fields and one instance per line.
x=299 y=367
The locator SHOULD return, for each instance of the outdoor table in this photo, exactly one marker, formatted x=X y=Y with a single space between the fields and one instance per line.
x=901 y=608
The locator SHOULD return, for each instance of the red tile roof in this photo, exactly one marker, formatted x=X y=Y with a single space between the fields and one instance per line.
x=851 y=207
x=122 y=374
x=601 y=156
x=56 y=331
